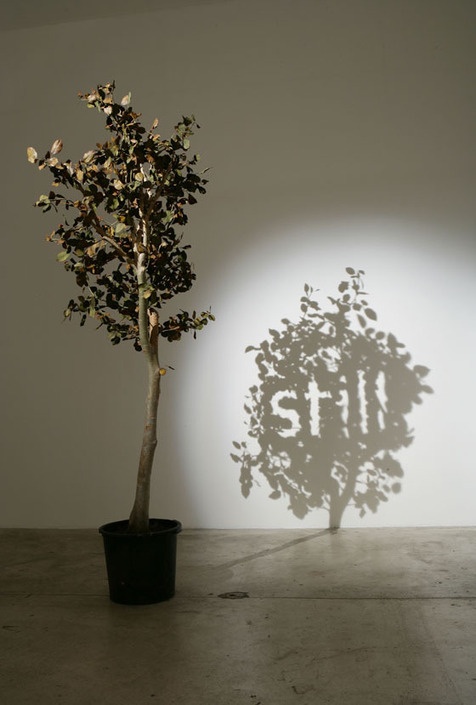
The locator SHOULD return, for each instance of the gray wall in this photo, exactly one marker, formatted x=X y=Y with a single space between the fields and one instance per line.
x=339 y=133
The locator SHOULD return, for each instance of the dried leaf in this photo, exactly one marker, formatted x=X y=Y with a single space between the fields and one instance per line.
x=31 y=154
x=91 y=251
x=56 y=147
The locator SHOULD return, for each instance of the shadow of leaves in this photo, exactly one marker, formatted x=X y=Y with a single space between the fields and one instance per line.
x=329 y=412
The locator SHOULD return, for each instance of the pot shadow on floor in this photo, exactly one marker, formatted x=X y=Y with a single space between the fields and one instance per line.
x=328 y=414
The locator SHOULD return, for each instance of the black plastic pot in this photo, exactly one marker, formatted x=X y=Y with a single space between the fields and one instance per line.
x=141 y=567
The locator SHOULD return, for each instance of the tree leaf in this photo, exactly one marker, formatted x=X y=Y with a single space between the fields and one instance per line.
x=32 y=155
x=92 y=250
x=56 y=147
x=120 y=229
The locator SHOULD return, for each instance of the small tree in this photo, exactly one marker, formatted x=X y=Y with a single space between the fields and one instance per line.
x=119 y=238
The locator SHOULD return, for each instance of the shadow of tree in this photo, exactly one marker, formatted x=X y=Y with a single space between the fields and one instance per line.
x=328 y=415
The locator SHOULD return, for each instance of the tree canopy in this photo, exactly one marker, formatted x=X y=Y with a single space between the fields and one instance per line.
x=121 y=234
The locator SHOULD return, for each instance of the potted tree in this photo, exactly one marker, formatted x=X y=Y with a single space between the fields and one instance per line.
x=120 y=239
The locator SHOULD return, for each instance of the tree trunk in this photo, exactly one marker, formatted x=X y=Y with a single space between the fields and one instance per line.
x=148 y=331
x=340 y=498
x=139 y=518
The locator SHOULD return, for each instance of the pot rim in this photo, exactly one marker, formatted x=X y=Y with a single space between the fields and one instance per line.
x=162 y=526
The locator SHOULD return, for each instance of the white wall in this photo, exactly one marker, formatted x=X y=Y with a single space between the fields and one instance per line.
x=340 y=133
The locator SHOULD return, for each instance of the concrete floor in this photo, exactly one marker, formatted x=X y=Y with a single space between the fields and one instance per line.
x=357 y=617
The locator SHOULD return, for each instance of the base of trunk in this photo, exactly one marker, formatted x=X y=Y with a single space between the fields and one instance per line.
x=141 y=567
